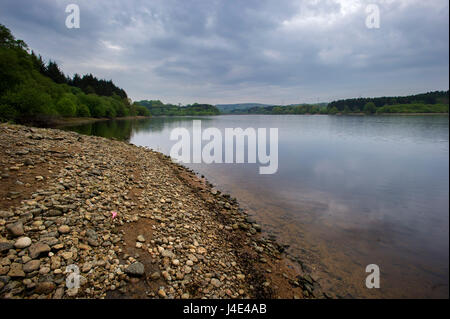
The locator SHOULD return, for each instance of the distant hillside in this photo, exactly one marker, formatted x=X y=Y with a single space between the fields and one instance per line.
x=236 y=108
x=156 y=108
x=320 y=108
x=431 y=102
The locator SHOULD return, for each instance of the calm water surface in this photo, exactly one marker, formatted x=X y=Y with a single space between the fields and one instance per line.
x=350 y=191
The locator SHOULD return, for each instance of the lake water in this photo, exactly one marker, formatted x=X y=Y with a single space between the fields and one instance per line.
x=349 y=191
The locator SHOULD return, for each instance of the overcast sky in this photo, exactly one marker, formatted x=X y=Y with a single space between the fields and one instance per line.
x=225 y=51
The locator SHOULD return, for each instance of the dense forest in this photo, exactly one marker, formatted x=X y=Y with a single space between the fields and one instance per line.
x=431 y=102
x=32 y=91
x=238 y=108
x=156 y=108
x=286 y=109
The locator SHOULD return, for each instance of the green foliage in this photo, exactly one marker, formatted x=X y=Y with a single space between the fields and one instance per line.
x=355 y=105
x=286 y=109
x=94 y=104
x=414 y=108
x=66 y=105
x=333 y=111
x=156 y=108
x=83 y=111
x=28 y=101
x=33 y=91
x=89 y=84
x=7 y=40
x=7 y=112
x=346 y=110
x=141 y=110
x=370 y=108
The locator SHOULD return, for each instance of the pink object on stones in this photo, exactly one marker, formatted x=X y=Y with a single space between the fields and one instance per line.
x=114 y=215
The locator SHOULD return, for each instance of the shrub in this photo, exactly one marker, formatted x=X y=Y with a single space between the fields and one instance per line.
x=333 y=111
x=370 y=108
x=66 y=106
x=83 y=111
x=29 y=101
x=7 y=113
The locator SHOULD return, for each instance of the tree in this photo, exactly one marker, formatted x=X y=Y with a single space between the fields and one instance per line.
x=54 y=73
x=66 y=106
x=31 y=90
x=29 y=101
x=333 y=111
x=346 y=110
x=83 y=111
x=370 y=108
x=7 y=40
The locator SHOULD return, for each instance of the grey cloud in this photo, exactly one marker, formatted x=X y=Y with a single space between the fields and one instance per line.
x=255 y=50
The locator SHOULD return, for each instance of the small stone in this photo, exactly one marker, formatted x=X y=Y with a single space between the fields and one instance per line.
x=37 y=249
x=72 y=292
x=93 y=242
x=138 y=245
x=192 y=258
x=187 y=269
x=4 y=270
x=64 y=229
x=155 y=276
x=23 y=242
x=15 y=270
x=44 y=270
x=67 y=255
x=216 y=282
x=166 y=275
x=179 y=275
x=32 y=265
x=86 y=267
x=141 y=238
x=240 y=276
x=15 y=229
x=162 y=293
x=308 y=279
x=59 y=293
x=84 y=247
x=167 y=253
x=135 y=269
x=185 y=296
x=45 y=287
x=58 y=246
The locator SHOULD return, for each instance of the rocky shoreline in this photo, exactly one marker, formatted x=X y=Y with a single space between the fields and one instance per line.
x=132 y=223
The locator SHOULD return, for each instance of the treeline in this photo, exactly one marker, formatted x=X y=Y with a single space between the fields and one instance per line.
x=431 y=102
x=32 y=91
x=157 y=108
x=286 y=109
